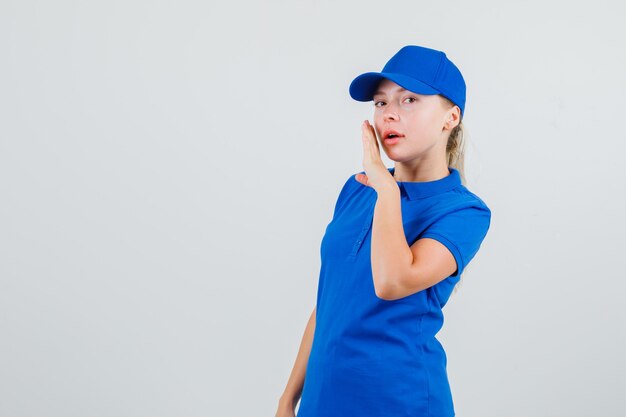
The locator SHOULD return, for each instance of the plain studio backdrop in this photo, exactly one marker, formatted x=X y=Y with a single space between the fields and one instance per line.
x=167 y=171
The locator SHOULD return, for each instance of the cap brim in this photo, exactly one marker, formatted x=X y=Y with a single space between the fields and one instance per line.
x=363 y=87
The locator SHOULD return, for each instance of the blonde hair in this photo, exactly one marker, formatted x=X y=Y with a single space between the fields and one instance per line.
x=455 y=148
x=455 y=157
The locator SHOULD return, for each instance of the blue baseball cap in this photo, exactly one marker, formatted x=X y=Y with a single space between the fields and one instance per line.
x=418 y=69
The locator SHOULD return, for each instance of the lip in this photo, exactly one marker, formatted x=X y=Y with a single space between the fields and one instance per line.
x=392 y=141
x=388 y=132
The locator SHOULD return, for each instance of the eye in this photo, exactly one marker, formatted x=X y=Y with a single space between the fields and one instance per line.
x=410 y=98
x=376 y=103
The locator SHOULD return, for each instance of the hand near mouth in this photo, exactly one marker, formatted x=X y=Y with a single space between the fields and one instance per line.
x=376 y=174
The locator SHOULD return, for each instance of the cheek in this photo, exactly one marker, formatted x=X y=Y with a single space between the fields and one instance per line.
x=378 y=123
x=425 y=124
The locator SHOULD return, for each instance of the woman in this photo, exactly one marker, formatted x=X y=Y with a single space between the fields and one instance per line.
x=395 y=248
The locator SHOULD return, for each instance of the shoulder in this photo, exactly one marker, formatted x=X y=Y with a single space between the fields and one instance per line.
x=474 y=198
x=462 y=199
x=459 y=212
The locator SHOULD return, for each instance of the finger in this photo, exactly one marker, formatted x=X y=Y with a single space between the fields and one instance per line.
x=372 y=133
x=371 y=138
x=362 y=178
x=374 y=136
x=367 y=145
x=367 y=153
x=367 y=137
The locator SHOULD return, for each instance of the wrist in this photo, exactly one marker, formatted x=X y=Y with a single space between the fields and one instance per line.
x=389 y=189
x=287 y=402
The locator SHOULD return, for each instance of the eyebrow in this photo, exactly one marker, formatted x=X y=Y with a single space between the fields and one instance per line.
x=399 y=90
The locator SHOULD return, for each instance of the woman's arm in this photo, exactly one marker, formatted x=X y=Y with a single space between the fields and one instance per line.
x=398 y=269
x=291 y=395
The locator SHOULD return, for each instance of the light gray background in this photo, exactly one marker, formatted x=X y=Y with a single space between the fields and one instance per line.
x=167 y=170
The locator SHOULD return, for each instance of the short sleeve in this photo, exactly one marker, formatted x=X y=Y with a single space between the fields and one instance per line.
x=462 y=231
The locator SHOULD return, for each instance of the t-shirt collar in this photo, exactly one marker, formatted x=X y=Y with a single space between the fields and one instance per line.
x=422 y=189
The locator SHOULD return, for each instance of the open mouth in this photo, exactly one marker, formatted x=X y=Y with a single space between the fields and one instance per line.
x=392 y=134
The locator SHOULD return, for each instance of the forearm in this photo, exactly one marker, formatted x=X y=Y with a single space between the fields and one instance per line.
x=391 y=255
x=293 y=390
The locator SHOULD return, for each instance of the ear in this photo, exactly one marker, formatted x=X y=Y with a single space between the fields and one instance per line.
x=453 y=118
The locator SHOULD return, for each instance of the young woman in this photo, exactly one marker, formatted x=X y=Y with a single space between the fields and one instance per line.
x=394 y=250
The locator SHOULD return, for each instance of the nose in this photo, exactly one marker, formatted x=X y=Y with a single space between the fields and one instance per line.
x=390 y=113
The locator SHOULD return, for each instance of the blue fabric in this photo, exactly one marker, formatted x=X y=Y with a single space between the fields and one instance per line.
x=379 y=358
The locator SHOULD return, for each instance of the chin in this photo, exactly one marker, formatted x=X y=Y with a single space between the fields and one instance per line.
x=395 y=157
x=402 y=156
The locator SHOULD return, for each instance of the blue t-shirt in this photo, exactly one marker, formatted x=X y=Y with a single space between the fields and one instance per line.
x=380 y=358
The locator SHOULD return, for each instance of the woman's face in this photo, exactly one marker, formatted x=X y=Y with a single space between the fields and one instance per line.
x=418 y=119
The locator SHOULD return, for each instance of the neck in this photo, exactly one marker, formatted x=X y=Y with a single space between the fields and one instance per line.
x=421 y=172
